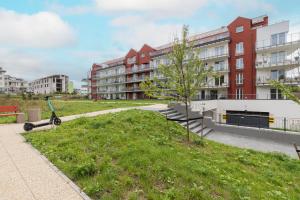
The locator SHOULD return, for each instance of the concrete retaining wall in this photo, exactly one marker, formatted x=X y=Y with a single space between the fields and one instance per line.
x=268 y=134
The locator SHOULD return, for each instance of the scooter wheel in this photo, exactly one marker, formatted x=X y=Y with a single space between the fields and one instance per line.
x=57 y=121
x=28 y=126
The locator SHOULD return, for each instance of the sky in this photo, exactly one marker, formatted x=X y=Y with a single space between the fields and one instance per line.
x=43 y=37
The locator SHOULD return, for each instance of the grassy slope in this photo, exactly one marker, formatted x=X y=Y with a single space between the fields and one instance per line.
x=70 y=107
x=127 y=155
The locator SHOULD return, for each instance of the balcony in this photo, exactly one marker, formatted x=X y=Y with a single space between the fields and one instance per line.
x=138 y=69
x=216 y=86
x=289 y=42
x=289 y=62
x=112 y=82
x=214 y=56
x=111 y=91
x=134 y=89
x=221 y=67
x=265 y=80
x=136 y=79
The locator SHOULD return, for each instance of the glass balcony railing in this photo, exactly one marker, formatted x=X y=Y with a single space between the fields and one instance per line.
x=265 y=80
x=265 y=62
x=284 y=40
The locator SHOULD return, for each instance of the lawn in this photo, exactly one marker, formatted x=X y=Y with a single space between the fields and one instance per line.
x=129 y=155
x=70 y=107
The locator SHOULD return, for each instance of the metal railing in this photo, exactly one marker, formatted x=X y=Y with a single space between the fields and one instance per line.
x=264 y=96
x=265 y=80
x=269 y=61
x=214 y=55
x=289 y=39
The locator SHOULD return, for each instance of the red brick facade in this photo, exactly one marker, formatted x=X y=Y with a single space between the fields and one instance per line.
x=248 y=38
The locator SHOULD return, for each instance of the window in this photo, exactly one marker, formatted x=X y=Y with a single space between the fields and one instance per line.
x=239 y=93
x=239 y=48
x=239 y=29
x=239 y=63
x=142 y=55
x=219 y=81
x=275 y=94
x=277 y=57
x=219 y=51
x=279 y=38
x=239 y=78
x=277 y=75
x=219 y=66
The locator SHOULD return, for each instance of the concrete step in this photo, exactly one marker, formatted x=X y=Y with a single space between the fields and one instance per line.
x=205 y=131
x=168 y=112
x=192 y=124
x=197 y=128
x=175 y=115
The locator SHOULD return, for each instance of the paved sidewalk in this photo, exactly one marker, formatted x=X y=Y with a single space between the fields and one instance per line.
x=27 y=175
x=257 y=144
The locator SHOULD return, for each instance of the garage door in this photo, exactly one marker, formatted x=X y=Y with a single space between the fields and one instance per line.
x=248 y=118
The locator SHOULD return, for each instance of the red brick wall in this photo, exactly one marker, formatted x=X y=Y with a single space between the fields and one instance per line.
x=248 y=37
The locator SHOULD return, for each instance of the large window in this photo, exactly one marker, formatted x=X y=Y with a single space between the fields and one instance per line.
x=278 y=57
x=219 y=66
x=219 y=50
x=239 y=63
x=279 y=38
x=219 y=81
x=239 y=48
x=277 y=75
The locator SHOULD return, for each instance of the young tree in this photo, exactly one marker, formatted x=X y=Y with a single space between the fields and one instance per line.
x=183 y=76
x=287 y=91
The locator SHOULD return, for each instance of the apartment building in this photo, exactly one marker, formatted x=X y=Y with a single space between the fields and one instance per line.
x=2 y=80
x=247 y=54
x=50 y=84
x=14 y=85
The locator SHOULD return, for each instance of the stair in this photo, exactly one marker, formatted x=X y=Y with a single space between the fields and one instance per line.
x=195 y=126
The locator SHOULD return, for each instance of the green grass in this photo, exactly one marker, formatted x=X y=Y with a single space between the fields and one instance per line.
x=129 y=155
x=70 y=107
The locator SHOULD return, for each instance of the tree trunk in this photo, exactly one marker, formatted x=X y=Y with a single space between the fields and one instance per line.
x=187 y=120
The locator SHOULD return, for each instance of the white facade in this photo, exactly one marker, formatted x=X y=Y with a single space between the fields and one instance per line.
x=277 y=57
x=214 y=52
x=111 y=81
x=15 y=85
x=49 y=85
x=2 y=80
x=279 y=109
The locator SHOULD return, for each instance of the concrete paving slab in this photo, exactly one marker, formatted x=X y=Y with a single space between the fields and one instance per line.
x=27 y=175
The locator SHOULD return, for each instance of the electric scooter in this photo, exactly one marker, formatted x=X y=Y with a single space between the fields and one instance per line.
x=53 y=119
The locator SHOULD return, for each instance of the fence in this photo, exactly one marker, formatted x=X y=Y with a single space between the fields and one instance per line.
x=259 y=121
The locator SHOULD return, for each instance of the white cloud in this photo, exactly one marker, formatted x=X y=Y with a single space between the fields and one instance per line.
x=155 y=8
x=244 y=6
x=72 y=10
x=134 y=31
x=21 y=64
x=39 y=30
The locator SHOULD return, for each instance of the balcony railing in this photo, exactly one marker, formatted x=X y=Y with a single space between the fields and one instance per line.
x=140 y=68
x=214 y=55
x=213 y=85
x=266 y=62
x=134 y=89
x=289 y=39
x=221 y=67
x=265 y=80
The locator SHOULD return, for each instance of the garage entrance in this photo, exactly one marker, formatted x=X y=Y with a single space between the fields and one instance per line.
x=247 y=118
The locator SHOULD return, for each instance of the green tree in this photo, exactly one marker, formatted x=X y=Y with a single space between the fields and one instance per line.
x=183 y=75
x=286 y=90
